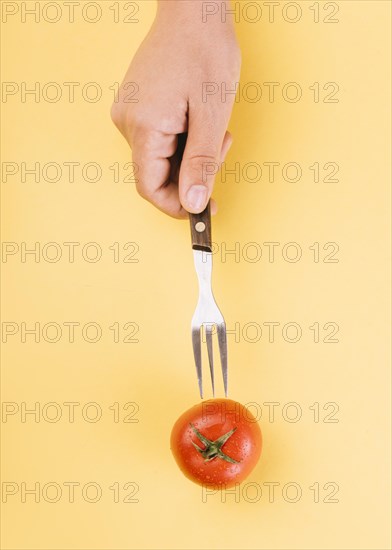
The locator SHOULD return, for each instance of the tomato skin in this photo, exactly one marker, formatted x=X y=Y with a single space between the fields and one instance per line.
x=213 y=419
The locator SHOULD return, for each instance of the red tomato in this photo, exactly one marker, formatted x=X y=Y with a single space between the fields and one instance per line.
x=217 y=442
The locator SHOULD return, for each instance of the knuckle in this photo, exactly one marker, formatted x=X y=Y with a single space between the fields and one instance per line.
x=147 y=142
x=199 y=160
x=144 y=191
x=124 y=118
x=135 y=117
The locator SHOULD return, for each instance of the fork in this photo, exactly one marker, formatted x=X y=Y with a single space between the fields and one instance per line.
x=207 y=314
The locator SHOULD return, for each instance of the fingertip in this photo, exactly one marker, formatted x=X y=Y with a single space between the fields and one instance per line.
x=196 y=199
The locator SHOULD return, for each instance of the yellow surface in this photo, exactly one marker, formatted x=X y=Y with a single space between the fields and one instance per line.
x=158 y=293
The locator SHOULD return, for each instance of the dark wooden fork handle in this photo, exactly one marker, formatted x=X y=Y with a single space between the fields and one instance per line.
x=201 y=230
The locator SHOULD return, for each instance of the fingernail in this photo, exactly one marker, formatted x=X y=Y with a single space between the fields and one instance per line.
x=197 y=197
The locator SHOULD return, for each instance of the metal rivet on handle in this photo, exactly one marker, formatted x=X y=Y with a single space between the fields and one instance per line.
x=200 y=227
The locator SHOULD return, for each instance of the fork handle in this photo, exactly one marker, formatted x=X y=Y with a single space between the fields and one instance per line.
x=201 y=230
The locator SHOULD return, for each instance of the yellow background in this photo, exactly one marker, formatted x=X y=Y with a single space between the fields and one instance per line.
x=159 y=294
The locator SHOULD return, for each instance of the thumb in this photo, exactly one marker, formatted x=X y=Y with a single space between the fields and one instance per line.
x=200 y=164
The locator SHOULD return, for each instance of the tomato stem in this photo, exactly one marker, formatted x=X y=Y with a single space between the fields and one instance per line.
x=213 y=449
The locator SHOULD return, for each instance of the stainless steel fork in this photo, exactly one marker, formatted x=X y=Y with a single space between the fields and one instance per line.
x=207 y=314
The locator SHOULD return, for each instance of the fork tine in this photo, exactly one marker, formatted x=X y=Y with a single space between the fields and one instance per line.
x=222 y=339
x=197 y=354
x=208 y=328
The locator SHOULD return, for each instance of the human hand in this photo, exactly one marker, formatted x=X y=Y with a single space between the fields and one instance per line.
x=180 y=54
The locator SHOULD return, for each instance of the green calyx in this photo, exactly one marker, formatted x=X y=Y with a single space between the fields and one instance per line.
x=213 y=449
